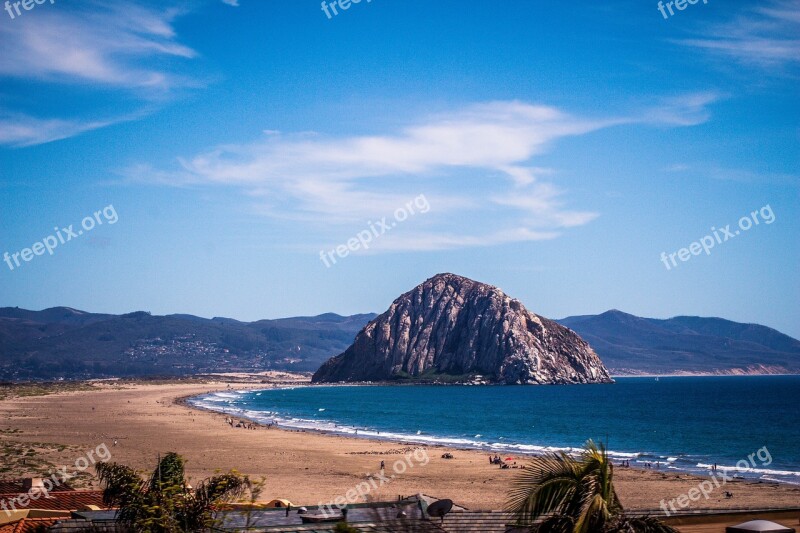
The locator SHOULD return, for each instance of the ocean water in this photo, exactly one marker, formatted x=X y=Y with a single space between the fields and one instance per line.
x=748 y=425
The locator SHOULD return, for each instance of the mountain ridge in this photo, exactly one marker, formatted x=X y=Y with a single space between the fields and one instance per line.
x=629 y=344
x=62 y=342
x=37 y=344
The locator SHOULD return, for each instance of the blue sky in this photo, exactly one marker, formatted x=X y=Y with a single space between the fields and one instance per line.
x=560 y=149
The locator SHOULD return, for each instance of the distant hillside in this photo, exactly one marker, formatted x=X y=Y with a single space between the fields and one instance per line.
x=63 y=342
x=67 y=343
x=628 y=344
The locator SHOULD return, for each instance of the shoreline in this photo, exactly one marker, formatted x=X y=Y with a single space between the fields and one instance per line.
x=303 y=466
x=402 y=440
x=513 y=448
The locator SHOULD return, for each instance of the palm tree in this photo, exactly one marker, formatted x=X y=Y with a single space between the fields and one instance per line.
x=557 y=493
x=164 y=503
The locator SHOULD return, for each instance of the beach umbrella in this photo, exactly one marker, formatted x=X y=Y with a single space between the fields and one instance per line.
x=759 y=525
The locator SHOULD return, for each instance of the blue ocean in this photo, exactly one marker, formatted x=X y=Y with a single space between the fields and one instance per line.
x=749 y=426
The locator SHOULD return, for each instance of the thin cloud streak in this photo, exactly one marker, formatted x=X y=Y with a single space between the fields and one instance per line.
x=110 y=45
x=24 y=130
x=346 y=180
x=765 y=37
x=107 y=43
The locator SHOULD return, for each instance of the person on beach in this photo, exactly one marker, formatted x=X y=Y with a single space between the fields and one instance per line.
x=383 y=465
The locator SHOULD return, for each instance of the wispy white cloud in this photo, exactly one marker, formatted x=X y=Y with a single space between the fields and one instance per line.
x=786 y=10
x=23 y=130
x=541 y=206
x=749 y=176
x=677 y=167
x=498 y=136
x=326 y=180
x=741 y=175
x=766 y=36
x=684 y=110
x=113 y=45
x=428 y=241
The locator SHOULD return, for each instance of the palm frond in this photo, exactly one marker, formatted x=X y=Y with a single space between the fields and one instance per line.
x=554 y=524
x=162 y=504
x=544 y=486
x=123 y=486
x=560 y=493
x=593 y=516
x=169 y=472
x=222 y=487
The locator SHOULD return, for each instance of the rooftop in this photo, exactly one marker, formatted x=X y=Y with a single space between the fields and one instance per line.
x=72 y=500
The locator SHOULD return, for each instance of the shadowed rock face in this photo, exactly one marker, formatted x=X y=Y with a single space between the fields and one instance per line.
x=456 y=326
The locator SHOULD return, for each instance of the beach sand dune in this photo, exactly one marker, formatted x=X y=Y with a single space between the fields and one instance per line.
x=303 y=467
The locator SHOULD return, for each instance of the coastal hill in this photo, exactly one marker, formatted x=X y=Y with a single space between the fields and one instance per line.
x=630 y=344
x=67 y=343
x=450 y=327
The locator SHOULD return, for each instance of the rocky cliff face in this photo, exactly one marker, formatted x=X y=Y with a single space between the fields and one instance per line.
x=455 y=326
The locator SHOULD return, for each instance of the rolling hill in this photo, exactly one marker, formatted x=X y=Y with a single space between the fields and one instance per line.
x=629 y=344
x=67 y=343
x=62 y=342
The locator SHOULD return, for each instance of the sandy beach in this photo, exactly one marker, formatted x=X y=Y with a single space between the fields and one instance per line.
x=303 y=467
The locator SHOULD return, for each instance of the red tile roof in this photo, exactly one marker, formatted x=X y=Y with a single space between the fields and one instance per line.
x=29 y=525
x=58 y=500
x=8 y=486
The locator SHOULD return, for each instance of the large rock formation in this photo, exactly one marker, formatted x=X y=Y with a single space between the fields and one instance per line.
x=453 y=326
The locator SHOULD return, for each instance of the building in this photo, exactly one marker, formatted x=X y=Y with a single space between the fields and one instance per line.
x=26 y=505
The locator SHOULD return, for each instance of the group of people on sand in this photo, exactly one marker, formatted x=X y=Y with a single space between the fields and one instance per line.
x=240 y=423
x=627 y=464
x=496 y=460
